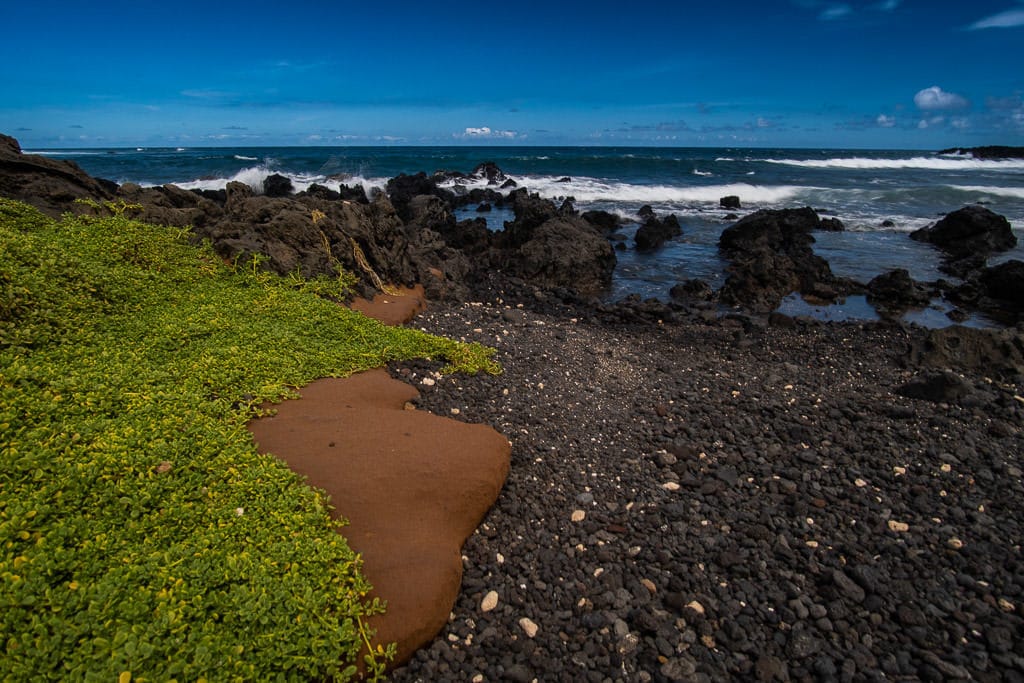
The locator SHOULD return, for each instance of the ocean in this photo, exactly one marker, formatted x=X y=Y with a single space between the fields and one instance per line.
x=879 y=195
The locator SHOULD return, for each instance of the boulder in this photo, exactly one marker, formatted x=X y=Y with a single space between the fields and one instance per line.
x=565 y=251
x=490 y=172
x=731 y=202
x=772 y=256
x=967 y=237
x=1004 y=283
x=655 y=232
x=692 y=289
x=831 y=225
x=530 y=212
x=894 y=292
x=277 y=185
x=402 y=188
x=603 y=220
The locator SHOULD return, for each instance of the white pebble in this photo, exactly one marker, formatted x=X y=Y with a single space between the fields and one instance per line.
x=489 y=602
x=427 y=382
x=455 y=411
x=578 y=515
x=528 y=626
x=898 y=527
x=670 y=486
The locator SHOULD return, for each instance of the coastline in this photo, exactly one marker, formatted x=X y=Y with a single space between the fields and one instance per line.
x=693 y=494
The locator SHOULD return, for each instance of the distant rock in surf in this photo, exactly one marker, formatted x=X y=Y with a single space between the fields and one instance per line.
x=988 y=152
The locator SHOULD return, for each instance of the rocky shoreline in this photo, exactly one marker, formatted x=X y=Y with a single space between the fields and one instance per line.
x=695 y=493
x=728 y=499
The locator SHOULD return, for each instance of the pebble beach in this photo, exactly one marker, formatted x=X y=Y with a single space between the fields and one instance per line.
x=713 y=499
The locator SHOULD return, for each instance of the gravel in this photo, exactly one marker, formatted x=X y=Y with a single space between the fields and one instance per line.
x=758 y=502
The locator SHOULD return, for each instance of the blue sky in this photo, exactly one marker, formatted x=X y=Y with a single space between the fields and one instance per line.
x=788 y=73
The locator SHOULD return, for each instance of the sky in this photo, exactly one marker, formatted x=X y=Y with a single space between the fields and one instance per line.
x=885 y=74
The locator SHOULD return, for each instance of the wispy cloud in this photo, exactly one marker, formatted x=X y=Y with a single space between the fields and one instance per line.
x=935 y=99
x=833 y=12
x=884 y=121
x=1010 y=18
x=888 y=5
x=485 y=132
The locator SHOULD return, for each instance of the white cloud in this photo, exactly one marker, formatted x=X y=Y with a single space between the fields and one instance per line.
x=1005 y=19
x=486 y=132
x=885 y=121
x=888 y=5
x=933 y=121
x=960 y=123
x=935 y=98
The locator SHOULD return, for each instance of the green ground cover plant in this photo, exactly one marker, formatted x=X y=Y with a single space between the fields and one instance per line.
x=142 y=537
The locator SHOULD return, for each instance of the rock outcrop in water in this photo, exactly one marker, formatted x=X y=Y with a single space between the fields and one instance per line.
x=656 y=231
x=771 y=257
x=988 y=152
x=967 y=237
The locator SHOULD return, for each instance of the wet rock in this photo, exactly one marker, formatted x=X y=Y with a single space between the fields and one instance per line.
x=729 y=202
x=771 y=256
x=894 y=292
x=968 y=236
x=656 y=231
x=277 y=185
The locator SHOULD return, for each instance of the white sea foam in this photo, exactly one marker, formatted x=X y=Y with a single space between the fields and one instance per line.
x=1015 y=192
x=595 y=190
x=699 y=172
x=244 y=158
x=923 y=163
x=254 y=176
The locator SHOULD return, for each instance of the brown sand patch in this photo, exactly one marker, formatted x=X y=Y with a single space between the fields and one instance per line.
x=413 y=486
x=393 y=309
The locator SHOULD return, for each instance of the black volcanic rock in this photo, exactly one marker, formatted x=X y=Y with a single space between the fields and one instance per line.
x=1004 y=282
x=731 y=202
x=772 y=256
x=402 y=188
x=277 y=185
x=988 y=152
x=656 y=231
x=608 y=222
x=489 y=171
x=967 y=237
x=894 y=292
x=530 y=212
x=52 y=185
x=831 y=225
x=565 y=251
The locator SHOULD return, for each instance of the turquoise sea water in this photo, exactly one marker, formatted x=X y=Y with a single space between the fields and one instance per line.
x=902 y=189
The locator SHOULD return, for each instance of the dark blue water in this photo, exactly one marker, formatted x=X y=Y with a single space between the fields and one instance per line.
x=862 y=188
